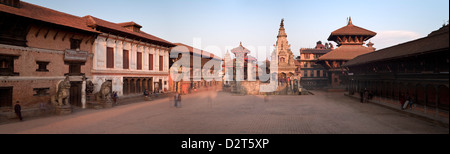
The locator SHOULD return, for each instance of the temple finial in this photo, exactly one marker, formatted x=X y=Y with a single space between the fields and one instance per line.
x=350 y=21
x=282 y=22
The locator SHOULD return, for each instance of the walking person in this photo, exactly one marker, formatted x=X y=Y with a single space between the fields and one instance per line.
x=366 y=95
x=115 y=96
x=175 y=100
x=402 y=100
x=18 y=110
x=146 y=93
x=179 y=100
x=361 y=94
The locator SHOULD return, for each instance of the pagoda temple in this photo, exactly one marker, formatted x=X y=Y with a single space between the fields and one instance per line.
x=350 y=40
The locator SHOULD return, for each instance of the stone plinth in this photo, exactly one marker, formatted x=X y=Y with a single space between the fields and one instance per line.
x=98 y=105
x=63 y=110
x=147 y=98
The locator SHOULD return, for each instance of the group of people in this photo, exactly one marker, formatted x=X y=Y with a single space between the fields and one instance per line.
x=406 y=100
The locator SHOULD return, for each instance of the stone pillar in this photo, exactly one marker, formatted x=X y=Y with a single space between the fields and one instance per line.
x=156 y=57
x=118 y=56
x=145 y=62
x=83 y=94
x=133 y=58
x=166 y=59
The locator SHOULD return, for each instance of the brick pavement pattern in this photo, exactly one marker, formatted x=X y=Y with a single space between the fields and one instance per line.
x=223 y=113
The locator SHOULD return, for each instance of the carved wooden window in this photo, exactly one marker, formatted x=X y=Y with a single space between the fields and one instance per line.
x=109 y=57
x=42 y=66
x=13 y=29
x=7 y=65
x=126 y=59
x=161 y=63
x=139 y=60
x=150 y=62
x=41 y=91
x=75 y=44
x=13 y=3
x=307 y=56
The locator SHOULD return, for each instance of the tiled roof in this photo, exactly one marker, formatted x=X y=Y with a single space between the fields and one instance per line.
x=314 y=51
x=47 y=15
x=198 y=51
x=96 y=22
x=437 y=40
x=345 y=52
x=131 y=23
x=351 y=29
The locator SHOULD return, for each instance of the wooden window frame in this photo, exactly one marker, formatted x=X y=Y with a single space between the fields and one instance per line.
x=161 y=63
x=109 y=57
x=139 y=60
x=151 y=62
x=7 y=61
x=126 y=59
x=42 y=66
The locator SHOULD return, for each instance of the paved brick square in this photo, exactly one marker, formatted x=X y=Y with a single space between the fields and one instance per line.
x=223 y=113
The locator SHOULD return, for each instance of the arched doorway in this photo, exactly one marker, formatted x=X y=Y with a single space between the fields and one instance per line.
x=144 y=84
x=420 y=94
x=138 y=86
x=431 y=96
x=443 y=97
x=126 y=90
x=132 y=86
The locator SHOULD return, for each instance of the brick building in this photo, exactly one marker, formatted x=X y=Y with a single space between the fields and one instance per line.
x=38 y=48
x=196 y=78
x=314 y=76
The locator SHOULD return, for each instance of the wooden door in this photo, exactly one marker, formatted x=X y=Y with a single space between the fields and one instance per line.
x=75 y=94
x=6 y=96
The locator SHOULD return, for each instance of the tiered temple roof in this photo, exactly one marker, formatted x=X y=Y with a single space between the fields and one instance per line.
x=350 y=40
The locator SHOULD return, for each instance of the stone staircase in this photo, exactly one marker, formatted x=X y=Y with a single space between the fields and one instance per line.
x=282 y=90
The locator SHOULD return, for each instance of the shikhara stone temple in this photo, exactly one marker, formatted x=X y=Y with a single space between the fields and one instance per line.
x=242 y=73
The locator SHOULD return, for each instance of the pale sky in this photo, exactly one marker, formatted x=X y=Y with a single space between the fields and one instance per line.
x=222 y=24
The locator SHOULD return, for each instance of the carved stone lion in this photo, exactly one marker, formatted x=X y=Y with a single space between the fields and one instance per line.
x=62 y=95
x=105 y=91
x=89 y=87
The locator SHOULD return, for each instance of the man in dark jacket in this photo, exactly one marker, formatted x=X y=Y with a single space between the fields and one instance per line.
x=18 y=110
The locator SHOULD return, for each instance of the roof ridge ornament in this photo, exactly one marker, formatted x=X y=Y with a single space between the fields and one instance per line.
x=350 y=21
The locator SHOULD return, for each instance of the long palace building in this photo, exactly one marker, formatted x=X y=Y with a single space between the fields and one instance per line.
x=418 y=69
